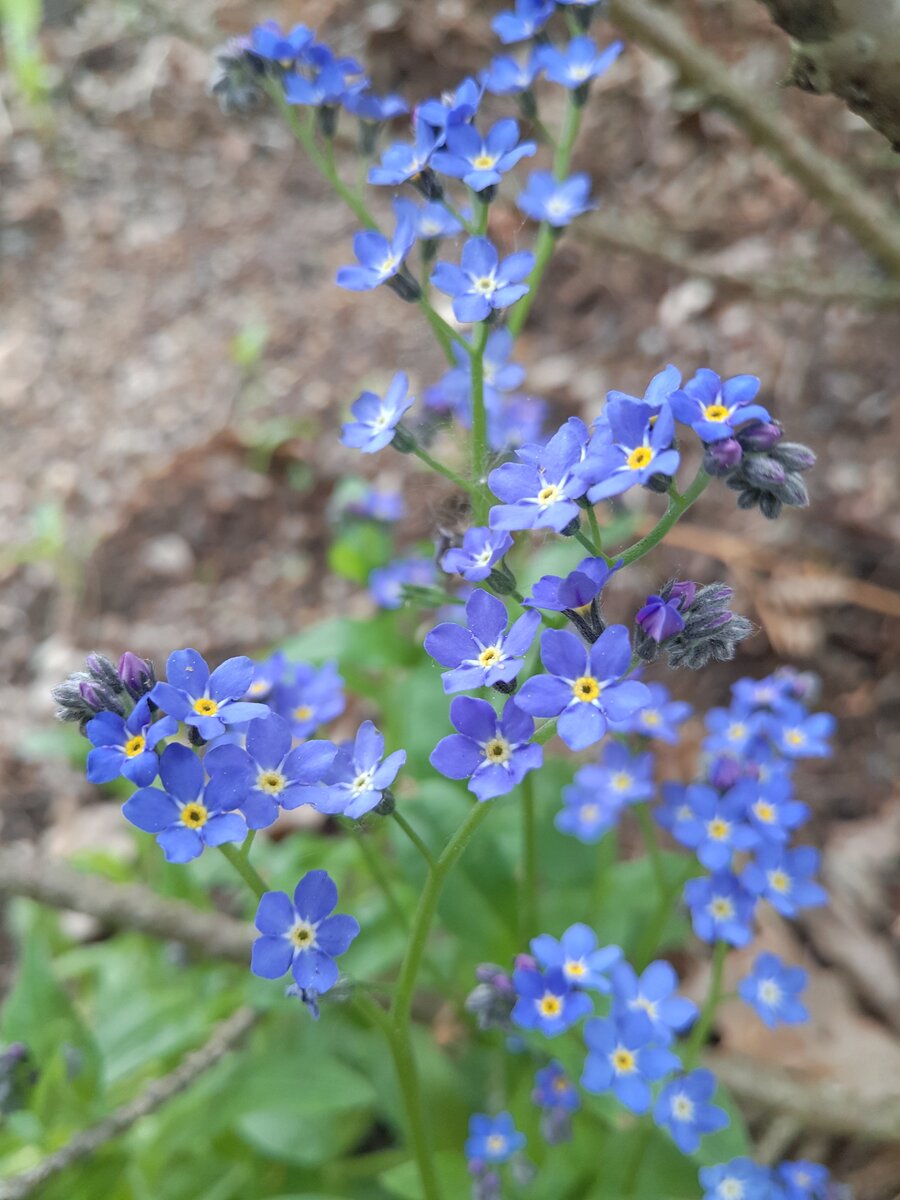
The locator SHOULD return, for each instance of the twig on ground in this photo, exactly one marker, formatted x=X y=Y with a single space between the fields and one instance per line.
x=225 y=1037
x=875 y=226
x=25 y=872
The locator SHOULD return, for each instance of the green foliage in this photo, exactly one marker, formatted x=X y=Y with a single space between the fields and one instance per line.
x=20 y=22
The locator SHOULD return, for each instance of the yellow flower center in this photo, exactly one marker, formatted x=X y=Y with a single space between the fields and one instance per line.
x=718 y=829
x=205 y=707
x=716 y=412
x=194 y=815
x=485 y=286
x=623 y=1061
x=682 y=1107
x=271 y=782
x=586 y=689
x=588 y=812
x=550 y=1005
x=549 y=494
x=731 y=1189
x=257 y=687
x=779 y=881
x=497 y=750
x=648 y=1006
x=489 y=656
x=302 y=712
x=794 y=737
x=496 y=1143
x=389 y=265
x=484 y=162
x=134 y=746
x=650 y=717
x=684 y=812
x=303 y=935
x=770 y=993
x=640 y=457
x=560 y=1084
x=621 y=781
x=764 y=811
x=576 y=968
x=736 y=731
x=722 y=908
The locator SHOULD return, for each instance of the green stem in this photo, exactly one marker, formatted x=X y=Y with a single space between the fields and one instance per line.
x=441 y=469
x=480 y=211
x=596 y=536
x=633 y=1170
x=607 y=857
x=547 y=235
x=413 y=837
x=407 y=1072
x=678 y=506
x=651 y=841
x=701 y=1031
x=425 y=911
x=585 y=541
x=444 y=333
x=528 y=905
x=247 y=844
x=546 y=731
x=379 y=875
x=467 y=225
x=479 y=444
x=248 y=873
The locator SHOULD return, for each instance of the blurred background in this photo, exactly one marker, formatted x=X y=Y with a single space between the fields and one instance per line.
x=175 y=361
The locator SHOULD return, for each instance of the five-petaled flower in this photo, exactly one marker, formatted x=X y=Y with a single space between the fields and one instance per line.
x=653 y=992
x=740 y=1179
x=481 y=550
x=126 y=745
x=301 y=935
x=481 y=162
x=584 y=685
x=785 y=878
x=641 y=447
x=624 y=1057
x=721 y=908
x=773 y=989
x=482 y=283
x=492 y=1139
x=547 y=1001
x=359 y=775
x=556 y=201
x=209 y=702
x=493 y=753
x=577 y=955
x=379 y=259
x=542 y=489
x=524 y=21
x=376 y=417
x=578 y=63
x=683 y=1107
x=184 y=818
x=713 y=407
x=483 y=653
x=268 y=775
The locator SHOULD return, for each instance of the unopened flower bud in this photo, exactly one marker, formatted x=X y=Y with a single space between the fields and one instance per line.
x=760 y=436
x=386 y=804
x=403 y=441
x=724 y=773
x=572 y=528
x=137 y=675
x=658 y=483
x=722 y=457
x=763 y=472
x=794 y=456
x=104 y=672
x=403 y=285
x=428 y=184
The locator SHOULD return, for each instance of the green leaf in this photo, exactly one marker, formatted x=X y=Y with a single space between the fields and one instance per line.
x=275 y=1133
x=405 y=1181
x=358 y=550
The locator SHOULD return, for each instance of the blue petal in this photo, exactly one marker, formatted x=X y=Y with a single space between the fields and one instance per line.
x=180 y=845
x=311 y=969
x=181 y=772
x=335 y=934
x=105 y=763
x=271 y=957
x=275 y=914
x=150 y=810
x=187 y=671
x=232 y=679
x=269 y=740
x=315 y=896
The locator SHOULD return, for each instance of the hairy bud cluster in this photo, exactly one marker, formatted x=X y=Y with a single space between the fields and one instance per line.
x=710 y=629
x=237 y=80
x=764 y=470
x=103 y=687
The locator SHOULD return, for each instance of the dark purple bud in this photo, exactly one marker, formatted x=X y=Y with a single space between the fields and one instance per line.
x=660 y=620
x=724 y=773
x=137 y=674
x=683 y=594
x=722 y=457
x=761 y=471
x=490 y=973
x=794 y=456
x=91 y=694
x=103 y=671
x=761 y=435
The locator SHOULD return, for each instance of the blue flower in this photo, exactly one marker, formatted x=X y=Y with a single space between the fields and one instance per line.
x=587 y=814
x=454 y=389
x=579 y=62
x=622 y=1056
x=731 y=730
x=270 y=42
x=377 y=505
x=773 y=813
x=528 y=17
x=683 y=1108
x=574 y=592
x=641 y=447
x=798 y=735
x=376 y=417
x=717 y=826
x=653 y=993
x=584 y=685
x=541 y=491
x=208 y=702
x=126 y=746
x=660 y=619
x=804 y=1180
x=483 y=653
x=676 y=809
x=773 y=989
x=577 y=956
x=547 y=1001
x=269 y=774
x=482 y=283
x=516 y=421
x=481 y=162
x=493 y=753
x=660 y=719
x=386 y=584
x=493 y=1139
x=659 y=389
x=714 y=408
x=310 y=697
x=266 y=675
x=434 y=220
x=785 y=878
x=369 y=107
x=402 y=162
x=721 y=908
x=328 y=86
x=557 y=202
x=739 y=1179
x=454 y=108
x=380 y=259
x=554 y=1089
x=481 y=550
x=359 y=775
x=184 y=819
x=621 y=776
x=506 y=76
x=301 y=936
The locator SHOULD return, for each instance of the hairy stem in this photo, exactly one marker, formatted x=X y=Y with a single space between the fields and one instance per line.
x=245 y=869
x=413 y=837
x=701 y=1031
x=678 y=506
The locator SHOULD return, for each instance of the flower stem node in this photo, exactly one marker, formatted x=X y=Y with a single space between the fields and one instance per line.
x=501 y=580
x=403 y=285
x=404 y=441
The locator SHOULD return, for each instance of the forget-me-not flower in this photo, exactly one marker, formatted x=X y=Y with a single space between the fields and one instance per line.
x=713 y=407
x=773 y=989
x=376 y=417
x=577 y=955
x=578 y=63
x=623 y=1057
x=209 y=702
x=654 y=993
x=683 y=1107
x=379 y=259
x=524 y=21
x=126 y=745
x=481 y=550
x=359 y=775
x=481 y=162
x=493 y=753
x=547 y=1001
x=482 y=653
x=558 y=202
x=482 y=283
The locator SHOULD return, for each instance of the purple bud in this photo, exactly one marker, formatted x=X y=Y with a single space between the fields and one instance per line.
x=525 y=962
x=103 y=671
x=683 y=594
x=90 y=695
x=722 y=457
x=136 y=674
x=660 y=620
x=724 y=773
x=761 y=435
x=494 y=975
